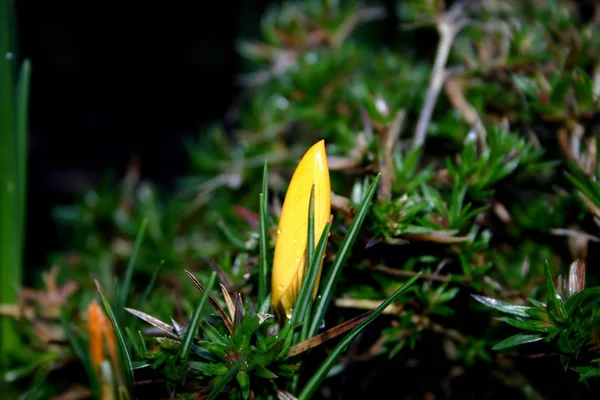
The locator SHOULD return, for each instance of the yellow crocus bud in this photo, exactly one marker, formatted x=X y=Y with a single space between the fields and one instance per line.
x=289 y=262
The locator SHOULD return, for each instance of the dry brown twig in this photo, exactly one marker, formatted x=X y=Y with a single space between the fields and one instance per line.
x=388 y=139
x=448 y=25
x=454 y=89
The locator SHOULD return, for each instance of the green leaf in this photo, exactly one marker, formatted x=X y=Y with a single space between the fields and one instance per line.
x=191 y=330
x=321 y=373
x=519 y=338
x=310 y=240
x=220 y=382
x=22 y=127
x=330 y=281
x=502 y=306
x=588 y=187
x=219 y=350
x=270 y=355
x=576 y=301
x=304 y=301
x=124 y=289
x=219 y=369
x=150 y=286
x=555 y=302
x=234 y=237
x=140 y=364
x=243 y=380
x=532 y=325
x=264 y=373
x=263 y=232
x=211 y=333
x=13 y=177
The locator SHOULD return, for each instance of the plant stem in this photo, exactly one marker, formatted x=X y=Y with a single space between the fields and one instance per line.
x=449 y=24
x=11 y=185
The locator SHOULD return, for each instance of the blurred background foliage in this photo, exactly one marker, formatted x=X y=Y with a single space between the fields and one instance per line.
x=480 y=116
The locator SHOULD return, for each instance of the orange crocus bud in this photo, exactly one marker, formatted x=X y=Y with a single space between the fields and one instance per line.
x=290 y=247
x=96 y=322
x=101 y=333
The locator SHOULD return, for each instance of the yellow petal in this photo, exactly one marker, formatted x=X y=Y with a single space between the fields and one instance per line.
x=290 y=245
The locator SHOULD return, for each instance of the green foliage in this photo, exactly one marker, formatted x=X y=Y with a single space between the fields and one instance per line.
x=568 y=320
x=252 y=348
x=501 y=197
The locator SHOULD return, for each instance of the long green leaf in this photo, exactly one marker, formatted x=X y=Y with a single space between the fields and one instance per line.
x=328 y=286
x=151 y=285
x=321 y=373
x=11 y=182
x=22 y=119
x=304 y=303
x=124 y=290
x=310 y=240
x=503 y=306
x=304 y=300
x=515 y=340
x=263 y=240
x=191 y=330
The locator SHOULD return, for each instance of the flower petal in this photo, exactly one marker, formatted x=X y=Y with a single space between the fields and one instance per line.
x=290 y=246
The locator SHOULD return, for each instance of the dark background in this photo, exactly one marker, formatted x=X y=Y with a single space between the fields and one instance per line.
x=114 y=79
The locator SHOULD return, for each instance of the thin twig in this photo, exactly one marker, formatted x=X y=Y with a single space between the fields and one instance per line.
x=454 y=90
x=408 y=274
x=388 y=140
x=448 y=25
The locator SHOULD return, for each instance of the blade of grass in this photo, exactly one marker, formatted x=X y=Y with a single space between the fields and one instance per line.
x=151 y=285
x=310 y=240
x=22 y=104
x=314 y=256
x=234 y=237
x=133 y=341
x=310 y=251
x=310 y=282
x=11 y=240
x=305 y=297
x=263 y=232
x=143 y=345
x=328 y=285
x=125 y=286
x=191 y=330
x=321 y=373
x=118 y=331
